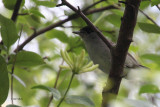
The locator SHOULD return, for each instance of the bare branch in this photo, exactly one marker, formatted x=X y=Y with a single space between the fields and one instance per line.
x=59 y=23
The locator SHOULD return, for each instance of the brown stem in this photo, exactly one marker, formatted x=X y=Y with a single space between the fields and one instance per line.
x=16 y=9
x=120 y=51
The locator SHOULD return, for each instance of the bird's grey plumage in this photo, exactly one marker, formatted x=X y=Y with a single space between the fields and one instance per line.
x=99 y=52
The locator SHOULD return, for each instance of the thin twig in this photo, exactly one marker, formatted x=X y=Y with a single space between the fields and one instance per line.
x=66 y=91
x=158 y=7
x=12 y=71
x=148 y=17
x=59 y=23
x=16 y=9
x=95 y=3
x=55 y=84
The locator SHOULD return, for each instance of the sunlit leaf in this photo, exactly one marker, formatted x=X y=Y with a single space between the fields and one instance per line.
x=144 y=4
x=155 y=2
x=55 y=92
x=114 y=19
x=149 y=88
x=27 y=58
x=8 y=31
x=79 y=100
x=78 y=22
x=152 y=57
x=4 y=81
x=150 y=28
x=36 y=13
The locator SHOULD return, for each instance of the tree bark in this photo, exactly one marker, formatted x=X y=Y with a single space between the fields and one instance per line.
x=120 y=51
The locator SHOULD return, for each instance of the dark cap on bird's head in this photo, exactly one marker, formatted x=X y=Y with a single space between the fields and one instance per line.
x=85 y=29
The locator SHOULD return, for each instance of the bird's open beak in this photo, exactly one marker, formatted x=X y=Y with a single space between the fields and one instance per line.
x=76 y=32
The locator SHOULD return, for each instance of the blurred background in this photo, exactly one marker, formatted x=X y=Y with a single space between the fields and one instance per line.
x=141 y=89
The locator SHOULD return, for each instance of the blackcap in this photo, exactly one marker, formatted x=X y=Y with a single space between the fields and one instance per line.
x=99 y=52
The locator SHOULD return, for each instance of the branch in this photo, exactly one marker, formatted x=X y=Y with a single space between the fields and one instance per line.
x=148 y=17
x=59 y=23
x=16 y=9
x=120 y=51
x=88 y=22
x=158 y=7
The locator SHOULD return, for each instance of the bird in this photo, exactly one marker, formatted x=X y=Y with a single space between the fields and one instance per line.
x=100 y=53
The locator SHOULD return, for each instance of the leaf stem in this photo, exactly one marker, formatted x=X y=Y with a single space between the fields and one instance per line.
x=66 y=90
x=13 y=66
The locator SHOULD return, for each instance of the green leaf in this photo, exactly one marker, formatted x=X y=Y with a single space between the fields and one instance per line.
x=78 y=22
x=4 y=81
x=55 y=92
x=10 y=4
x=60 y=35
x=114 y=19
x=27 y=58
x=46 y=3
x=150 y=28
x=152 y=57
x=8 y=31
x=144 y=4
x=36 y=13
x=12 y=105
x=155 y=2
x=149 y=88
x=79 y=100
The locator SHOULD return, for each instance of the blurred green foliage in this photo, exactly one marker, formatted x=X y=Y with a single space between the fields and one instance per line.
x=31 y=69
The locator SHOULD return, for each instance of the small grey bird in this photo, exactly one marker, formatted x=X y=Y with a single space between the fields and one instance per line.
x=100 y=53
